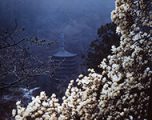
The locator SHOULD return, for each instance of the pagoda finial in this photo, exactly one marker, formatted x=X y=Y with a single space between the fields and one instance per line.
x=62 y=41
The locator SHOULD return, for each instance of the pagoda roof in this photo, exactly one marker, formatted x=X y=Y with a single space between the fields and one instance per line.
x=64 y=53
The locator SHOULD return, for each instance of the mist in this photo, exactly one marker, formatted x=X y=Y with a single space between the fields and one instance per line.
x=47 y=19
x=27 y=66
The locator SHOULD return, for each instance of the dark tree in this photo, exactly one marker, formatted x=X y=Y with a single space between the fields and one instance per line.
x=101 y=47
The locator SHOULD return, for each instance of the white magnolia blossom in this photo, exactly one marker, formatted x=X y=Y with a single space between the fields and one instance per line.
x=119 y=92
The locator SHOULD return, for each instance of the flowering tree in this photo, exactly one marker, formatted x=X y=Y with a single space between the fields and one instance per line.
x=120 y=92
x=16 y=60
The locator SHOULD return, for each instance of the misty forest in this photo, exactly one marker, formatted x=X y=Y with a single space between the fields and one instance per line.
x=75 y=60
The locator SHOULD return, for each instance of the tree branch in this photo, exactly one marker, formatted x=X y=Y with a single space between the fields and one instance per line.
x=11 y=45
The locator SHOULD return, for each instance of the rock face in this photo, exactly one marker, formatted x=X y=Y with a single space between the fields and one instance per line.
x=120 y=91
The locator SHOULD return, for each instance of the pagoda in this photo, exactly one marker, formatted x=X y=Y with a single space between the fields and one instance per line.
x=65 y=63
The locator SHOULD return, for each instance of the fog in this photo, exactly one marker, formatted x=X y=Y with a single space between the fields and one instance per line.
x=47 y=19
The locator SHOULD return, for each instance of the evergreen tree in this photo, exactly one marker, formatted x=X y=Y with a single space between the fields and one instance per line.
x=101 y=47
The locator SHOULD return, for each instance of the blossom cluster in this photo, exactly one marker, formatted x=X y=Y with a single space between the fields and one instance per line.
x=120 y=91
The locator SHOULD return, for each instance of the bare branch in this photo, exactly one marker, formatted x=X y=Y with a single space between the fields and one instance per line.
x=11 y=45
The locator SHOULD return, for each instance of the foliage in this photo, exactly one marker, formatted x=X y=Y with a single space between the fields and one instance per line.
x=101 y=47
x=120 y=92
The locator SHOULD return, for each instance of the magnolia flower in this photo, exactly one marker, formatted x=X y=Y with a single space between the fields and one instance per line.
x=13 y=112
x=18 y=103
x=81 y=76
